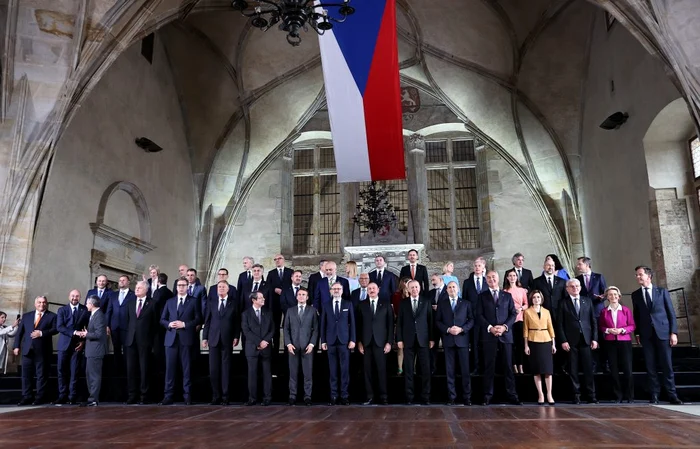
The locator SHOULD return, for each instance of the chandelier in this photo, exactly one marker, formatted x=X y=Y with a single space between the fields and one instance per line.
x=294 y=15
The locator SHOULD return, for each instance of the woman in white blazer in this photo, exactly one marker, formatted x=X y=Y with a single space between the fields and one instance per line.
x=5 y=333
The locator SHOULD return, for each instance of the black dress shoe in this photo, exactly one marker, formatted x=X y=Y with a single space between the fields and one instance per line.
x=333 y=401
x=425 y=402
x=38 y=402
x=676 y=401
x=540 y=403
x=292 y=401
x=249 y=403
x=24 y=402
x=468 y=403
x=551 y=403
x=225 y=403
x=630 y=401
x=593 y=401
x=409 y=402
x=308 y=402
x=60 y=401
x=451 y=402
x=345 y=401
x=385 y=402
x=89 y=404
x=266 y=402
x=577 y=399
x=215 y=402
x=368 y=402
x=654 y=400
x=166 y=402
x=487 y=401
x=188 y=402
x=514 y=401
x=617 y=401
x=131 y=401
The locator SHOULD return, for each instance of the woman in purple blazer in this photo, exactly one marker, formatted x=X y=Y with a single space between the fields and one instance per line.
x=617 y=325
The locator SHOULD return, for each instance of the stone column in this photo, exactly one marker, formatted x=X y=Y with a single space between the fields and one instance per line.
x=286 y=202
x=417 y=188
x=482 y=197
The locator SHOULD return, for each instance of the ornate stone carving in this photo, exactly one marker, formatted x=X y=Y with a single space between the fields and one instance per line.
x=415 y=142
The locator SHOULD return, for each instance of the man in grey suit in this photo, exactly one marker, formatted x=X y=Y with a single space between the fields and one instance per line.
x=95 y=348
x=301 y=335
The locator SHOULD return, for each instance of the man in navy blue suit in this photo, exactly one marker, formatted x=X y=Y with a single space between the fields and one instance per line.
x=524 y=275
x=180 y=317
x=256 y=325
x=102 y=292
x=288 y=298
x=338 y=338
x=472 y=287
x=118 y=321
x=386 y=280
x=496 y=313
x=245 y=277
x=277 y=280
x=34 y=339
x=197 y=291
x=657 y=331
x=436 y=295
x=71 y=319
x=221 y=275
x=453 y=321
x=593 y=285
x=322 y=295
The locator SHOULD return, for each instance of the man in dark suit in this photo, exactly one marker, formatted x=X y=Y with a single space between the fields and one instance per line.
x=577 y=330
x=182 y=272
x=256 y=284
x=95 y=349
x=141 y=331
x=472 y=287
x=453 y=321
x=436 y=295
x=117 y=322
x=385 y=279
x=657 y=331
x=180 y=317
x=414 y=334
x=375 y=336
x=338 y=338
x=323 y=295
x=101 y=291
x=288 y=298
x=221 y=275
x=221 y=332
x=314 y=279
x=160 y=297
x=524 y=275
x=277 y=280
x=360 y=294
x=198 y=292
x=257 y=326
x=71 y=319
x=593 y=285
x=245 y=277
x=34 y=337
x=415 y=271
x=301 y=334
x=496 y=313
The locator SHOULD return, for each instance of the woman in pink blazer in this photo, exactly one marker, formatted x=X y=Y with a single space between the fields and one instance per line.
x=519 y=295
x=617 y=325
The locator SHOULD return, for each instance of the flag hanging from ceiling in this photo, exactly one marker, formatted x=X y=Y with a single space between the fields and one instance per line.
x=361 y=72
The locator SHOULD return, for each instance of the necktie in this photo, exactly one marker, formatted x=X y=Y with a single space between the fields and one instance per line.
x=179 y=306
x=121 y=297
x=478 y=284
x=221 y=306
x=73 y=312
x=415 y=305
x=577 y=306
x=374 y=307
x=37 y=319
x=647 y=297
x=413 y=271
x=495 y=296
x=454 y=303
x=379 y=277
x=99 y=293
x=588 y=282
x=549 y=281
x=255 y=287
x=249 y=275
x=296 y=290
x=363 y=294
x=257 y=314
x=301 y=311
x=437 y=294
x=138 y=309
x=337 y=308
x=189 y=290
x=519 y=273
x=280 y=273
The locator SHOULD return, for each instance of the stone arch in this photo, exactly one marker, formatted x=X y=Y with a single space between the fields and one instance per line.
x=139 y=202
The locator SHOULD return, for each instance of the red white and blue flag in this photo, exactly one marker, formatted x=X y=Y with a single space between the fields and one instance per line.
x=361 y=72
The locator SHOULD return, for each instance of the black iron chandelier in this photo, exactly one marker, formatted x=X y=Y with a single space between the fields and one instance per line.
x=295 y=15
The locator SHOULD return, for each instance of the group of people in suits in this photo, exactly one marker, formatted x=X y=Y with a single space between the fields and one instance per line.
x=480 y=326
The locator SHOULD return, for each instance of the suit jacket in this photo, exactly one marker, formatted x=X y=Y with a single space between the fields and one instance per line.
x=570 y=326
x=410 y=326
x=246 y=303
x=256 y=331
x=314 y=279
x=551 y=296
x=377 y=327
x=323 y=296
x=469 y=291
x=355 y=298
x=117 y=315
x=526 y=278
x=461 y=317
x=274 y=281
x=421 y=276
x=104 y=301
x=242 y=281
x=301 y=332
x=340 y=329
x=660 y=321
x=189 y=314
x=47 y=326
x=490 y=313
x=200 y=293
x=537 y=329
x=625 y=320
x=222 y=328
x=214 y=293
x=160 y=298
x=598 y=286
x=443 y=294
x=96 y=338
x=288 y=299
x=66 y=324
x=388 y=285
x=142 y=329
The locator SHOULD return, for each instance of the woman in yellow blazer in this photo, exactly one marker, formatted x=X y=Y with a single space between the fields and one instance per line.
x=539 y=344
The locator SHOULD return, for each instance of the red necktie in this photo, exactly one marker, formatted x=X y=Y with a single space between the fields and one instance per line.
x=413 y=271
x=138 y=309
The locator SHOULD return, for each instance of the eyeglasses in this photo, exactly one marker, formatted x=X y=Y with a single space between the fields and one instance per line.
x=279 y=258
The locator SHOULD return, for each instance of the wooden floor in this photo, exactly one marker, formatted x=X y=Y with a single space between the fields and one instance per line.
x=349 y=426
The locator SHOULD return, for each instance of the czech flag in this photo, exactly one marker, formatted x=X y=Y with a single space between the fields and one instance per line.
x=361 y=72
